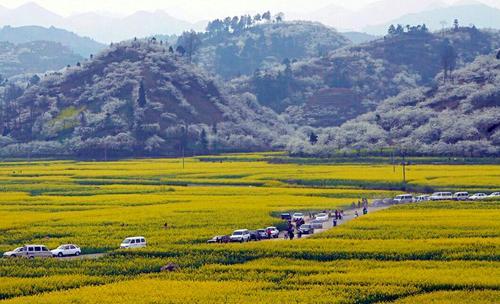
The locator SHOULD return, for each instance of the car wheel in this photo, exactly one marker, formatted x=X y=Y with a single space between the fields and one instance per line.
x=77 y=253
x=60 y=254
x=31 y=257
x=13 y=256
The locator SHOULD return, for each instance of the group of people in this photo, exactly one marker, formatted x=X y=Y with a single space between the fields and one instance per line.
x=290 y=231
x=361 y=203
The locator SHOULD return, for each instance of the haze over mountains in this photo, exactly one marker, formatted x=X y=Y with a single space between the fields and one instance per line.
x=372 y=18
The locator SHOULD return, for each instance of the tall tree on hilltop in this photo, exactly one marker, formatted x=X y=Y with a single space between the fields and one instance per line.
x=448 y=59
x=191 y=42
x=266 y=16
x=392 y=30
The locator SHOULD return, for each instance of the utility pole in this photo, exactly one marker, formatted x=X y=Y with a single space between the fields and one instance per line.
x=404 y=172
x=183 y=164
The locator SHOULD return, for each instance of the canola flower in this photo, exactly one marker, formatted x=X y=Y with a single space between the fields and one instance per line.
x=419 y=253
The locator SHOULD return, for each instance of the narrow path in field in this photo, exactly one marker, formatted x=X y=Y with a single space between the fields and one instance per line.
x=348 y=216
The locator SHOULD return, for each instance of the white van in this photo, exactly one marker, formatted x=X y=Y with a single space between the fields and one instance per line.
x=133 y=242
x=441 y=196
x=403 y=198
x=36 y=251
x=461 y=196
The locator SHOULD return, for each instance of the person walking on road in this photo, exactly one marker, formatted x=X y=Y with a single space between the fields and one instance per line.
x=356 y=214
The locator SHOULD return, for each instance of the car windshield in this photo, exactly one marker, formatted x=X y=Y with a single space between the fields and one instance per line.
x=306 y=226
x=298 y=214
x=321 y=214
x=127 y=241
x=19 y=249
x=237 y=233
x=61 y=247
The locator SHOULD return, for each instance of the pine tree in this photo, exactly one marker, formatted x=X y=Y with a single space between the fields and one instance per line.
x=203 y=141
x=313 y=138
x=141 y=101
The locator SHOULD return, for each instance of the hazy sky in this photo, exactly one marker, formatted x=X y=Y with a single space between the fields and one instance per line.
x=193 y=9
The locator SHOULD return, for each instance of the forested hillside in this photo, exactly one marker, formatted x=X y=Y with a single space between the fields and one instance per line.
x=412 y=90
x=241 y=45
x=136 y=98
x=331 y=89
x=34 y=57
x=458 y=117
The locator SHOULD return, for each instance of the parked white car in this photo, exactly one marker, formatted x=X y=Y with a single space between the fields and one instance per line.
x=422 y=198
x=275 y=233
x=297 y=216
x=65 y=250
x=403 y=198
x=494 y=195
x=461 y=196
x=19 y=251
x=321 y=217
x=441 y=196
x=133 y=242
x=241 y=235
x=478 y=196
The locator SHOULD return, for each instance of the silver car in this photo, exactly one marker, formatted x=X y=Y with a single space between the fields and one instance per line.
x=19 y=251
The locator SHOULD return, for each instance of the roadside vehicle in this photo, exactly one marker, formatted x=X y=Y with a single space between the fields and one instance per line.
x=322 y=217
x=215 y=239
x=422 y=198
x=403 y=198
x=388 y=201
x=133 y=242
x=19 y=251
x=297 y=216
x=286 y=216
x=478 y=196
x=65 y=250
x=36 y=251
x=262 y=233
x=241 y=235
x=317 y=224
x=306 y=229
x=441 y=196
x=461 y=196
x=275 y=233
x=255 y=236
x=494 y=194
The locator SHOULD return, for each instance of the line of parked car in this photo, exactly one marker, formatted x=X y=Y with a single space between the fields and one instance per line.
x=246 y=235
x=41 y=251
x=445 y=196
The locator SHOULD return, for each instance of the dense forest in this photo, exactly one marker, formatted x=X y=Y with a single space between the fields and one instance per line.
x=260 y=82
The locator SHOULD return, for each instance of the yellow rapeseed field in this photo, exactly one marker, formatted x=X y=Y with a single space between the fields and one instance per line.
x=441 y=252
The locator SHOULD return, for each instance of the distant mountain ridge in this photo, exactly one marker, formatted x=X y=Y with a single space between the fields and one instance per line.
x=83 y=46
x=101 y=28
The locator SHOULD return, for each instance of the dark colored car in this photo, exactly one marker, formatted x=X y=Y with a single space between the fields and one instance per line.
x=286 y=216
x=306 y=229
x=255 y=235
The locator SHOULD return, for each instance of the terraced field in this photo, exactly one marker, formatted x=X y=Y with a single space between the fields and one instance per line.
x=446 y=252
